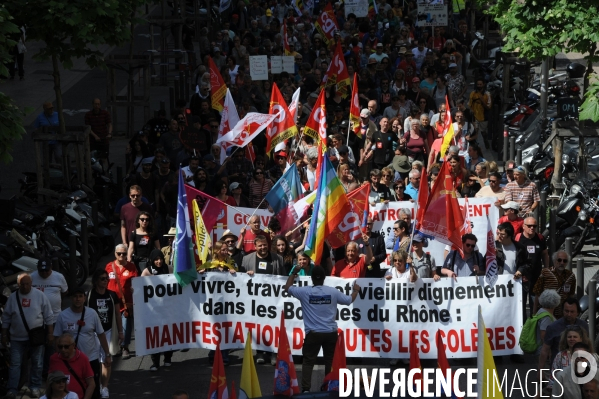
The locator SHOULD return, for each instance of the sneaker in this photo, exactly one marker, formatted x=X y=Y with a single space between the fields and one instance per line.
x=35 y=393
x=152 y=368
x=393 y=362
x=259 y=358
x=167 y=363
x=104 y=392
x=126 y=354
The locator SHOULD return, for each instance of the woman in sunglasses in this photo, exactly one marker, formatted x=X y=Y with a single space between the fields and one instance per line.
x=56 y=387
x=106 y=303
x=259 y=187
x=142 y=240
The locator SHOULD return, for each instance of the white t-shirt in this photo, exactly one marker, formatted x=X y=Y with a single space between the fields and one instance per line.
x=67 y=321
x=70 y=395
x=419 y=56
x=53 y=287
x=395 y=274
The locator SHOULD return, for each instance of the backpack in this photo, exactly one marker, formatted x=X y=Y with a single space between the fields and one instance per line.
x=528 y=336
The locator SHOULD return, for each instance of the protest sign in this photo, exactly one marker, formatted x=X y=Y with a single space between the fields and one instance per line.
x=276 y=64
x=386 y=316
x=432 y=15
x=259 y=67
x=288 y=63
x=357 y=7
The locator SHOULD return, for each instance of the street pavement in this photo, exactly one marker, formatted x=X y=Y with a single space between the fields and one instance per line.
x=190 y=370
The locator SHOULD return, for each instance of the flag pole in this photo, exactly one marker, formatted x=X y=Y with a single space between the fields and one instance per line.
x=348 y=130
x=300 y=225
x=298 y=144
x=255 y=210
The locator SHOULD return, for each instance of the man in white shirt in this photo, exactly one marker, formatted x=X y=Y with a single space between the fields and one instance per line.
x=419 y=54
x=194 y=164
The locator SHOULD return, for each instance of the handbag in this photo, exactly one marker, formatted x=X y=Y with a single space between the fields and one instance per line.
x=128 y=306
x=37 y=335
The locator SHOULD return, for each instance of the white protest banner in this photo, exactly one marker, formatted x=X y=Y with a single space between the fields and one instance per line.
x=386 y=316
x=259 y=67
x=276 y=64
x=432 y=15
x=357 y=7
x=384 y=215
x=288 y=63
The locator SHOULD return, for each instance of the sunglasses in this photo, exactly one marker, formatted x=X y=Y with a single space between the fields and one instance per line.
x=396 y=228
x=134 y=195
x=230 y=242
x=121 y=253
x=259 y=173
x=493 y=181
x=562 y=260
x=469 y=245
x=399 y=187
x=143 y=219
x=531 y=225
x=64 y=346
x=214 y=126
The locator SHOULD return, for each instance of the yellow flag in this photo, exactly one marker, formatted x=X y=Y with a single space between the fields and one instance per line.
x=249 y=387
x=488 y=379
x=202 y=236
x=447 y=140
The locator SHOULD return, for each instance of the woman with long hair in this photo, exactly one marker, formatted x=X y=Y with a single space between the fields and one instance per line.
x=220 y=188
x=142 y=240
x=570 y=336
x=378 y=191
x=399 y=81
x=281 y=246
x=346 y=177
x=56 y=387
x=458 y=173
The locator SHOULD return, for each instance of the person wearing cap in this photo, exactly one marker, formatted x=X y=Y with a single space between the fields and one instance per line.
x=236 y=191
x=511 y=209
x=84 y=324
x=422 y=262
x=230 y=240
x=54 y=285
x=56 y=387
x=74 y=364
x=378 y=55
x=37 y=311
x=279 y=167
x=354 y=264
x=168 y=250
x=456 y=83
x=320 y=323
x=508 y=175
x=523 y=191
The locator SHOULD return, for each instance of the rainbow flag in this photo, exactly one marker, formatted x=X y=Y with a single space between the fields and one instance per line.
x=330 y=207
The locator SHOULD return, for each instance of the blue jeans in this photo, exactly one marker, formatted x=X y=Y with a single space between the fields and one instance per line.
x=17 y=354
x=128 y=327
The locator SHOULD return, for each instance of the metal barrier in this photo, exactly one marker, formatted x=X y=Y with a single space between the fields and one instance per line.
x=579 y=277
x=552 y=222
x=592 y=312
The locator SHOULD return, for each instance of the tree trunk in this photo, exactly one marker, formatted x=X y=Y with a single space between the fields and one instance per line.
x=58 y=91
x=130 y=108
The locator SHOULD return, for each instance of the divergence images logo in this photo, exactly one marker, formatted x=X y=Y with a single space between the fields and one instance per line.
x=584 y=367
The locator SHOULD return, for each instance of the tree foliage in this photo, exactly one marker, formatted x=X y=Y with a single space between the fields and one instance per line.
x=589 y=110
x=11 y=117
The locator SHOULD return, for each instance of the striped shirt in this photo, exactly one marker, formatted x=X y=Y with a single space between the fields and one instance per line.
x=525 y=195
x=564 y=283
x=258 y=191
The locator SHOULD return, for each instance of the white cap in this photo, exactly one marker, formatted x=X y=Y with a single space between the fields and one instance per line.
x=511 y=205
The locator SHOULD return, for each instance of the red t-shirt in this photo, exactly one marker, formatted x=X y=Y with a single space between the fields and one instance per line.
x=248 y=240
x=517 y=224
x=125 y=274
x=344 y=270
x=80 y=365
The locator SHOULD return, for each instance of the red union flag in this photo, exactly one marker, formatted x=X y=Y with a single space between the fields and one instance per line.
x=349 y=228
x=442 y=217
x=354 y=109
x=247 y=129
x=337 y=73
x=316 y=126
x=327 y=24
x=283 y=126
x=218 y=88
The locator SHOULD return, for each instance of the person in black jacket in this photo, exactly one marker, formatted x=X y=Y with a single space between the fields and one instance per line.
x=377 y=243
x=512 y=257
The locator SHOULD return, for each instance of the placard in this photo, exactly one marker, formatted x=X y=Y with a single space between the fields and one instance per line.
x=288 y=63
x=567 y=106
x=259 y=67
x=357 y=7
x=276 y=64
x=432 y=15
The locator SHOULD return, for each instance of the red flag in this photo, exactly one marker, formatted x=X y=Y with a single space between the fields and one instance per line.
x=447 y=121
x=285 y=39
x=331 y=380
x=283 y=127
x=415 y=361
x=285 y=382
x=326 y=24
x=211 y=208
x=423 y=193
x=443 y=364
x=316 y=126
x=247 y=129
x=233 y=392
x=218 y=380
x=352 y=222
x=442 y=216
x=229 y=119
x=354 y=108
x=217 y=86
x=337 y=73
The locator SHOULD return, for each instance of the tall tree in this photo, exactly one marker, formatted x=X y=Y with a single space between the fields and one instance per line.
x=542 y=28
x=11 y=117
x=73 y=29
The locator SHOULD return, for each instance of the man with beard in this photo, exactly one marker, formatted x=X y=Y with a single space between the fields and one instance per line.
x=556 y=278
x=191 y=169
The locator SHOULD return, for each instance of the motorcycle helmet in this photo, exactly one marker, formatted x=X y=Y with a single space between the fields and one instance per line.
x=575 y=70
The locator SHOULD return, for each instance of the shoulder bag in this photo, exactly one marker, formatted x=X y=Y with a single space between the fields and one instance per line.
x=37 y=335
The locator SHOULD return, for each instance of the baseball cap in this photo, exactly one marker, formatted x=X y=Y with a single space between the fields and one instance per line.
x=314 y=95
x=234 y=186
x=365 y=113
x=268 y=13
x=379 y=45
x=415 y=80
x=56 y=376
x=282 y=154
x=343 y=149
x=511 y=205
x=418 y=238
x=44 y=265
x=209 y=157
